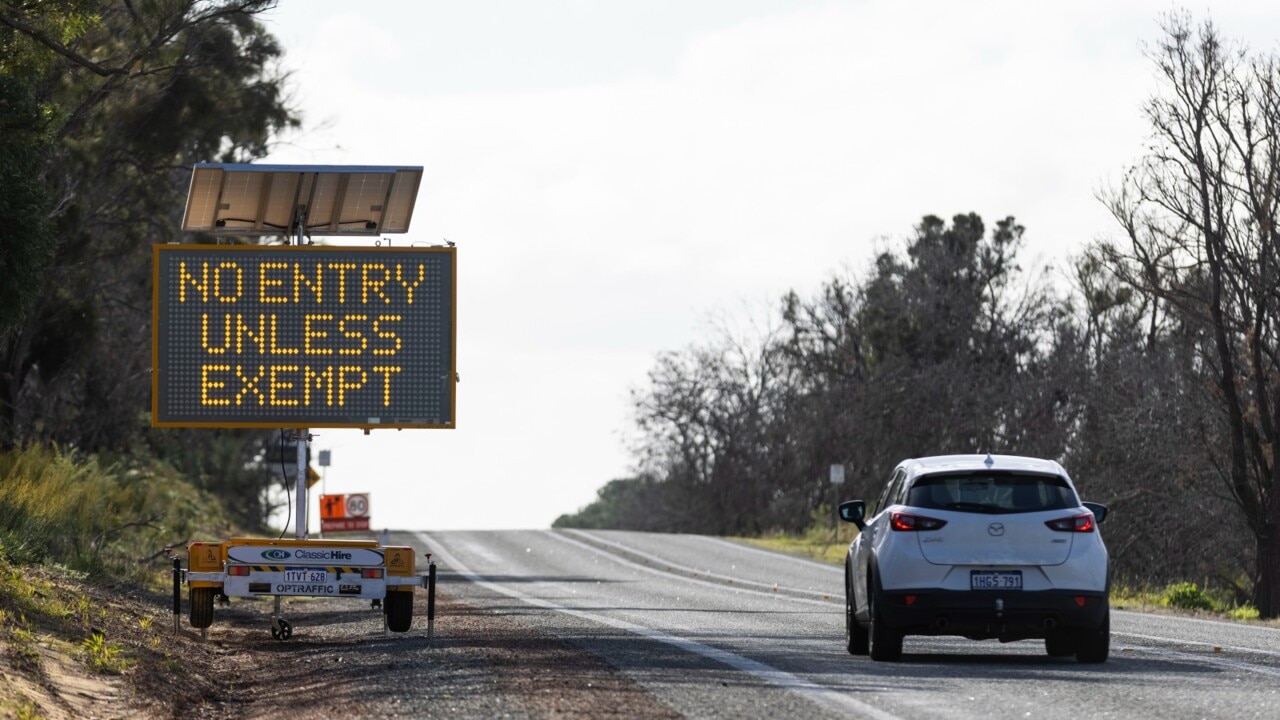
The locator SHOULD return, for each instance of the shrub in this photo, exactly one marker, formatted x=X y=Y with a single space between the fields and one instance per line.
x=104 y=656
x=1187 y=596
x=1244 y=612
x=58 y=508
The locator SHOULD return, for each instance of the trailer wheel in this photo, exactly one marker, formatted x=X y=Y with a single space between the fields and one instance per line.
x=399 y=609
x=281 y=629
x=202 y=607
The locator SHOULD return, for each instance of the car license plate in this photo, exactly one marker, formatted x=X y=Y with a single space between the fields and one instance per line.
x=995 y=579
x=305 y=576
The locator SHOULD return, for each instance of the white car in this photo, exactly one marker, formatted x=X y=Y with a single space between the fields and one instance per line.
x=985 y=547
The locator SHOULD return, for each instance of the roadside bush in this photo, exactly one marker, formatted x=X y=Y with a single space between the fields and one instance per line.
x=59 y=508
x=1187 y=596
x=1244 y=612
x=43 y=497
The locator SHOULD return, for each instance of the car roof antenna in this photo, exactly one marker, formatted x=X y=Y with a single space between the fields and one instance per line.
x=989 y=461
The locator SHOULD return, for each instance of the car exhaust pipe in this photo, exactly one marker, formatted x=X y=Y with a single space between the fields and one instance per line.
x=1050 y=623
x=940 y=623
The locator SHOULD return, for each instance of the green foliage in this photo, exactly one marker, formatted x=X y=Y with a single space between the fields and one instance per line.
x=222 y=462
x=26 y=245
x=23 y=652
x=1187 y=596
x=103 y=655
x=24 y=649
x=1183 y=595
x=19 y=641
x=82 y=609
x=24 y=56
x=1244 y=612
x=825 y=540
x=104 y=107
x=44 y=502
x=58 y=508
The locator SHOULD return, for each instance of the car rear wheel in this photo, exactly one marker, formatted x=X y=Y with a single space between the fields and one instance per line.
x=855 y=636
x=1060 y=645
x=885 y=643
x=1095 y=645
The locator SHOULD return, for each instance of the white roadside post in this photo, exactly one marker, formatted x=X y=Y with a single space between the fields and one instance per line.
x=324 y=484
x=837 y=479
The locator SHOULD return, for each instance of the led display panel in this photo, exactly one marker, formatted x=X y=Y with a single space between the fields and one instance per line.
x=303 y=336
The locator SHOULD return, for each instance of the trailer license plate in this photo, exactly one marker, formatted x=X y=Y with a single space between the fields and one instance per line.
x=995 y=579
x=306 y=576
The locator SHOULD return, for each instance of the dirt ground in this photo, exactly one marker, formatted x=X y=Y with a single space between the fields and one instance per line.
x=339 y=663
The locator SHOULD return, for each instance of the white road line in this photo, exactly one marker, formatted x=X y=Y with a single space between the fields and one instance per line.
x=781 y=679
x=714 y=585
x=772 y=553
x=1201 y=659
x=686 y=568
x=1180 y=641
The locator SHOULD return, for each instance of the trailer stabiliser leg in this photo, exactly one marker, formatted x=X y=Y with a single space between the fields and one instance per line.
x=177 y=590
x=280 y=628
x=431 y=599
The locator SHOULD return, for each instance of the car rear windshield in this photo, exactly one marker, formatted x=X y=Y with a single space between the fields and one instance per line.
x=992 y=493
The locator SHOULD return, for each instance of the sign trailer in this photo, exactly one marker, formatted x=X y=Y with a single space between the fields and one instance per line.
x=300 y=336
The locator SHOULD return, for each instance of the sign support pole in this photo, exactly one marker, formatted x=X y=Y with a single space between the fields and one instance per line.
x=304 y=438
x=304 y=442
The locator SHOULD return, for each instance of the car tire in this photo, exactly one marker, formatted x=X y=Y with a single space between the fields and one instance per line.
x=202 y=607
x=856 y=638
x=884 y=642
x=1060 y=644
x=1095 y=645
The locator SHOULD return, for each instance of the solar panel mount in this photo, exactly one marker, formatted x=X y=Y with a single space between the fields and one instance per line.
x=295 y=200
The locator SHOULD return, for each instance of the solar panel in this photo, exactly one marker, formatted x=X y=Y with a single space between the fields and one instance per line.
x=245 y=199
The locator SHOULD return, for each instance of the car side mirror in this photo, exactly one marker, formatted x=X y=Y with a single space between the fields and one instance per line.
x=854 y=511
x=1098 y=509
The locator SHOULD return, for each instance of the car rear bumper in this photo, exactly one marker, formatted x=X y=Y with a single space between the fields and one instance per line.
x=1006 y=615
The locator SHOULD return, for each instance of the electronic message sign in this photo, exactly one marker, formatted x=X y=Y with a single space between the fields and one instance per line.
x=303 y=336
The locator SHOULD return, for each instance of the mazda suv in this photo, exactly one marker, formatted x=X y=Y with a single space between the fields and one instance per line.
x=984 y=547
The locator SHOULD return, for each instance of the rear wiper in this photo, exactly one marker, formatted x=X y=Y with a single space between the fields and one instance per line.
x=977 y=507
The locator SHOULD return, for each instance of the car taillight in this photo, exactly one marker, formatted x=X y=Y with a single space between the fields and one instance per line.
x=371 y=573
x=1076 y=523
x=906 y=522
x=237 y=569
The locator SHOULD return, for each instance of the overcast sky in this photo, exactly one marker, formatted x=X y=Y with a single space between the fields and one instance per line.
x=617 y=175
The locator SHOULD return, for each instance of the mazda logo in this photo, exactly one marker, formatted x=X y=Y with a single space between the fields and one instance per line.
x=995 y=529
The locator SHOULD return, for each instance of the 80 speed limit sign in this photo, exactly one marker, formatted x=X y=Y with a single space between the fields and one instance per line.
x=357 y=506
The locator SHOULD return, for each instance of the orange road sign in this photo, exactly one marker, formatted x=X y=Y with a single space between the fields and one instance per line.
x=333 y=507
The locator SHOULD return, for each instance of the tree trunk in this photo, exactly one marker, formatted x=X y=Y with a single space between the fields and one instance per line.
x=1266 y=590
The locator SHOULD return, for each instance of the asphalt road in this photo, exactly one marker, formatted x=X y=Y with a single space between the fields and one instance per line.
x=715 y=629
